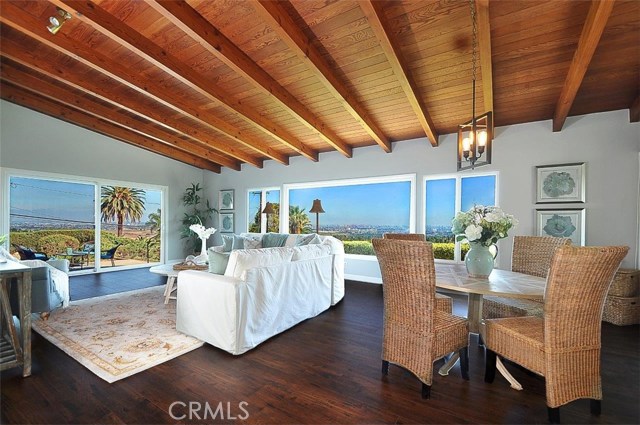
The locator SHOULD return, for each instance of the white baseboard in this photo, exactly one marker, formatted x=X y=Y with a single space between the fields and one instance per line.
x=361 y=278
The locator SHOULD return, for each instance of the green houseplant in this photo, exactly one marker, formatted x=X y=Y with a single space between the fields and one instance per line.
x=199 y=211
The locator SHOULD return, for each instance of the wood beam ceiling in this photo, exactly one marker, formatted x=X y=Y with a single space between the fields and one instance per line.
x=25 y=23
x=592 y=30
x=484 y=44
x=276 y=16
x=32 y=101
x=116 y=30
x=634 y=110
x=195 y=26
x=373 y=10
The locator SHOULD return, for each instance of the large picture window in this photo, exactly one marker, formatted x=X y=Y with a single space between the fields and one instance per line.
x=94 y=226
x=446 y=195
x=356 y=210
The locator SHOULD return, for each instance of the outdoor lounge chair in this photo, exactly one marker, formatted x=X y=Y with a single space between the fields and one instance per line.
x=29 y=254
x=109 y=254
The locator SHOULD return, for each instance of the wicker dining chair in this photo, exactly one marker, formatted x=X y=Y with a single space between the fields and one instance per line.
x=563 y=346
x=443 y=302
x=531 y=255
x=415 y=333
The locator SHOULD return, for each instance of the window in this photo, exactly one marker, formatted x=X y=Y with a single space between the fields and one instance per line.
x=446 y=195
x=256 y=221
x=356 y=210
x=81 y=221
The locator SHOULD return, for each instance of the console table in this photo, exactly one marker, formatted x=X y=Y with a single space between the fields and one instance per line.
x=15 y=350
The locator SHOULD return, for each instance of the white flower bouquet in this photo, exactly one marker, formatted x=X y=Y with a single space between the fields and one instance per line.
x=483 y=225
x=202 y=232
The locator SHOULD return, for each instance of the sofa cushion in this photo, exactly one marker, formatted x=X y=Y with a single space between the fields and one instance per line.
x=310 y=252
x=252 y=242
x=305 y=239
x=271 y=240
x=217 y=261
x=243 y=259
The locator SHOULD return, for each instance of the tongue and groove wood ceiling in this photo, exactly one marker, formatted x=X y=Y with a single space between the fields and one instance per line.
x=228 y=82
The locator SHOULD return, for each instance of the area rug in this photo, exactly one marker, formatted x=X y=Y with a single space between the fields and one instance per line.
x=118 y=335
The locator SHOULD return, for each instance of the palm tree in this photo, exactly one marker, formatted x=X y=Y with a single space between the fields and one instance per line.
x=298 y=220
x=120 y=204
x=154 y=223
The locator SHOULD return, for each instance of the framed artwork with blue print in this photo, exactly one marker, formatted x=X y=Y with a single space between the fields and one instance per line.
x=226 y=199
x=560 y=183
x=226 y=223
x=562 y=223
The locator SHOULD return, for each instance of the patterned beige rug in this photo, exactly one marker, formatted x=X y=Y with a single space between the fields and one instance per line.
x=118 y=335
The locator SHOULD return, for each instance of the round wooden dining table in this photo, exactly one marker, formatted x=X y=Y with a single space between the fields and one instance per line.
x=503 y=283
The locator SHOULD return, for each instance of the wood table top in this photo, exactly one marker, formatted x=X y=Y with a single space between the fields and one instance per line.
x=500 y=282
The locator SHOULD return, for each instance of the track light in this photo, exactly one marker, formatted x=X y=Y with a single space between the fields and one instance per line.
x=56 y=21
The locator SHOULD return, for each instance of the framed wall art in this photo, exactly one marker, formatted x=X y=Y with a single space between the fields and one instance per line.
x=560 y=183
x=226 y=199
x=564 y=223
x=226 y=223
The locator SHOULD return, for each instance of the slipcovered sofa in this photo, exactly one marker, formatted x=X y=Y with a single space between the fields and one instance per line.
x=263 y=292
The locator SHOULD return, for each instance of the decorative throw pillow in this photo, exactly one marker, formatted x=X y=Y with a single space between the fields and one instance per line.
x=315 y=240
x=271 y=240
x=227 y=243
x=252 y=242
x=238 y=242
x=217 y=261
x=304 y=240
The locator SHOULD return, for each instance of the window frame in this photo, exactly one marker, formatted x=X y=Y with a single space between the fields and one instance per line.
x=410 y=177
x=458 y=201
x=7 y=173
x=263 y=202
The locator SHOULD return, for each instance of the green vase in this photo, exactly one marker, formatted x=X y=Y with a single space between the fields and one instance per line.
x=479 y=260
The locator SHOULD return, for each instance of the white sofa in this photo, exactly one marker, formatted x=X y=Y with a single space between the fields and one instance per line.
x=263 y=292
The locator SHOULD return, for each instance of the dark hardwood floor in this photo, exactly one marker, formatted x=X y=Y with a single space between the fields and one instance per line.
x=326 y=370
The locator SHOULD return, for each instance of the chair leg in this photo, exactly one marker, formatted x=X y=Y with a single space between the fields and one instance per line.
x=385 y=367
x=554 y=415
x=464 y=363
x=426 y=390
x=596 y=406
x=490 y=365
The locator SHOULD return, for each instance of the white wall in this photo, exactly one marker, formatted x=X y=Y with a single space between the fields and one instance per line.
x=36 y=142
x=607 y=142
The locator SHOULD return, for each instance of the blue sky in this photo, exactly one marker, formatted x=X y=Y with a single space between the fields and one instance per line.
x=62 y=200
x=441 y=196
x=368 y=204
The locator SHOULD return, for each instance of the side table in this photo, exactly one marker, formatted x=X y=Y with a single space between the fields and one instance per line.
x=172 y=277
x=15 y=351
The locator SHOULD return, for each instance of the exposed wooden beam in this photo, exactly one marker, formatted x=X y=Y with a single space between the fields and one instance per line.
x=116 y=30
x=373 y=10
x=66 y=97
x=23 y=98
x=589 y=38
x=276 y=16
x=484 y=44
x=193 y=24
x=20 y=20
x=634 y=110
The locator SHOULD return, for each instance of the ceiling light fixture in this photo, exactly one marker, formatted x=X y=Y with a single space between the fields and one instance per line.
x=476 y=136
x=57 y=21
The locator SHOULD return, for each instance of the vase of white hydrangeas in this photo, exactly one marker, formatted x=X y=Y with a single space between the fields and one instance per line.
x=482 y=227
x=203 y=233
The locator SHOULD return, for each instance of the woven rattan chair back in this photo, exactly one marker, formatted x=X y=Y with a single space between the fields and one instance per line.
x=409 y=279
x=577 y=286
x=405 y=236
x=532 y=254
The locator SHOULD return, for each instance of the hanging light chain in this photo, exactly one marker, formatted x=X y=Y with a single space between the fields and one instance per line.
x=474 y=41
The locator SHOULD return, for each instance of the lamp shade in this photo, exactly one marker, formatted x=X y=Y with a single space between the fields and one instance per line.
x=316 y=207
x=268 y=208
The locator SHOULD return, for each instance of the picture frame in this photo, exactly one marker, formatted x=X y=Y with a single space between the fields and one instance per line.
x=226 y=200
x=568 y=223
x=560 y=183
x=227 y=222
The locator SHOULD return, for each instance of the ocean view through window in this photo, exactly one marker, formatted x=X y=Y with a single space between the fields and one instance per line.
x=59 y=219
x=356 y=210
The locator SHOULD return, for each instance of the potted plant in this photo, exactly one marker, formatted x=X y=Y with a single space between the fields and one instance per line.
x=199 y=212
